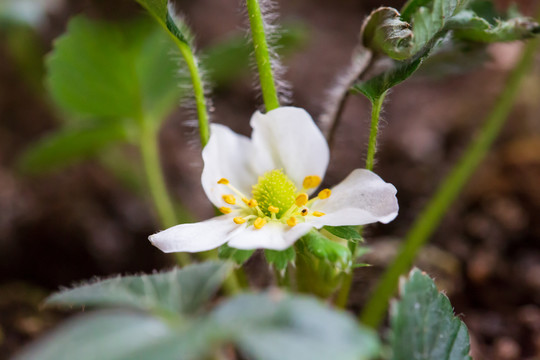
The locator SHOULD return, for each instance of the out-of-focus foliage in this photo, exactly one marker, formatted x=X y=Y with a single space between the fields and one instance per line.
x=423 y=323
x=165 y=322
x=410 y=37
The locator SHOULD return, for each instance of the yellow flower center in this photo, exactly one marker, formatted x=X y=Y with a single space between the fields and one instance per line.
x=275 y=198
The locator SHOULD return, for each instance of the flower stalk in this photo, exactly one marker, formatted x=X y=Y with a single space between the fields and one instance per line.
x=262 y=55
x=430 y=218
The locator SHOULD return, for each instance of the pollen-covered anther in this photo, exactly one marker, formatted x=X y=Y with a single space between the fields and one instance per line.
x=324 y=194
x=318 y=213
x=259 y=223
x=229 y=199
x=273 y=209
x=239 y=220
x=304 y=212
x=225 y=210
x=252 y=203
x=223 y=181
x=292 y=221
x=301 y=199
x=311 y=181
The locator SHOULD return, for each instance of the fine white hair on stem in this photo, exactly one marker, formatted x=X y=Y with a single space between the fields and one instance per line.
x=269 y=11
x=337 y=94
x=186 y=85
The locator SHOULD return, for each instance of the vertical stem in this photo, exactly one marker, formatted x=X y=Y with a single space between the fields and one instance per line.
x=262 y=55
x=376 y=106
x=150 y=155
x=198 y=90
x=430 y=218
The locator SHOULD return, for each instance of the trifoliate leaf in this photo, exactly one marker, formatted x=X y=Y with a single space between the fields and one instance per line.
x=423 y=323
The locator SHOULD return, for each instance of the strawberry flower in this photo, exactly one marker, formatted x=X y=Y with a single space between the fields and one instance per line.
x=266 y=188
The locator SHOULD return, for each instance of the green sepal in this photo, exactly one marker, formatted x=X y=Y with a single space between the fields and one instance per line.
x=349 y=233
x=280 y=259
x=238 y=256
x=325 y=249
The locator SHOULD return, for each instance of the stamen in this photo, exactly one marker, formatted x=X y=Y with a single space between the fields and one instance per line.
x=223 y=181
x=273 y=209
x=324 y=194
x=259 y=223
x=318 y=213
x=304 y=212
x=292 y=221
x=229 y=199
x=302 y=199
x=239 y=220
x=311 y=181
x=252 y=203
x=225 y=210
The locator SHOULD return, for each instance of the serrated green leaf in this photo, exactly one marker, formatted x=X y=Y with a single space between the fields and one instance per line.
x=237 y=255
x=104 y=335
x=423 y=323
x=160 y=11
x=384 y=32
x=325 y=249
x=106 y=70
x=284 y=327
x=345 y=232
x=177 y=291
x=69 y=145
x=280 y=259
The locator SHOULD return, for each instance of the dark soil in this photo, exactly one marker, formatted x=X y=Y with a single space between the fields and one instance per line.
x=81 y=222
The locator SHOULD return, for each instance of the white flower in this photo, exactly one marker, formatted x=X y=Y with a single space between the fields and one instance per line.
x=263 y=184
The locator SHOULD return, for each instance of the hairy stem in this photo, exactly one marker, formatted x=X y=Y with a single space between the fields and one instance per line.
x=262 y=56
x=430 y=218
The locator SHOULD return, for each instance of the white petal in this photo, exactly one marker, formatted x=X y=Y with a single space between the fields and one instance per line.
x=226 y=156
x=273 y=236
x=362 y=198
x=287 y=138
x=195 y=237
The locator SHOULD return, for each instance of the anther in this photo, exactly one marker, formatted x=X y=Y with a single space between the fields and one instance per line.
x=259 y=223
x=311 y=181
x=225 y=210
x=252 y=203
x=239 y=220
x=318 y=213
x=304 y=212
x=223 y=181
x=229 y=199
x=292 y=221
x=273 y=209
x=301 y=199
x=324 y=194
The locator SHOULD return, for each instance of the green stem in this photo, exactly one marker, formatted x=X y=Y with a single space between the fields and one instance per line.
x=429 y=219
x=198 y=90
x=376 y=107
x=262 y=55
x=150 y=155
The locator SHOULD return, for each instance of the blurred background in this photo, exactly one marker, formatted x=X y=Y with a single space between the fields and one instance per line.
x=90 y=215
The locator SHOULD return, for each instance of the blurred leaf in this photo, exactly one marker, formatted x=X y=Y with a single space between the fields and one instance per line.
x=100 y=69
x=159 y=9
x=345 y=232
x=280 y=259
x=384 y=32
x=179 y=290
x=282 y=327
x=423 y=323
x=236 y=255
x=69 y=145
x=104 y=335
x=325 y=249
